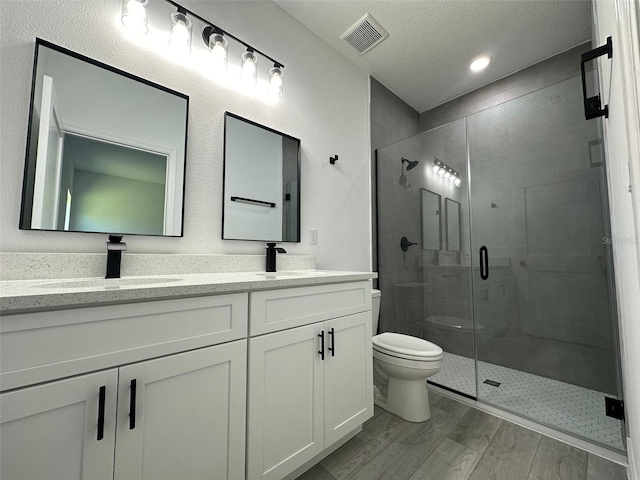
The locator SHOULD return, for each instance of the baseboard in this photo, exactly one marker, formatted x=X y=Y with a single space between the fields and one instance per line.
x=536 y=427
x=322 y=455
x=632 y=472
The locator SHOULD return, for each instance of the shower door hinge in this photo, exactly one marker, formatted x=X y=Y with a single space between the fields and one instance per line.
x=614 y=408
x=593 y=105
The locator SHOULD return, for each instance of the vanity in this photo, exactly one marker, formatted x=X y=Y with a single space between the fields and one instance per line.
x=221 y=376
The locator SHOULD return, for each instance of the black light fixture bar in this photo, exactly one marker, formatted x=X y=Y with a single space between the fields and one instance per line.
x=214 y=28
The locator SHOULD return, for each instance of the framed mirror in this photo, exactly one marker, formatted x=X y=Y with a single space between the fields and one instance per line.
x=452 y=221
x=261 y=194
x=106 y=150
x=431 y=233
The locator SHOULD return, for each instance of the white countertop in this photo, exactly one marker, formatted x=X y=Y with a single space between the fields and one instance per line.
x=21 y=296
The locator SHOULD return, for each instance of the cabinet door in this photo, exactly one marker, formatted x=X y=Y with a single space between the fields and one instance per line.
x=286 y=419
x=348 y=375
x=50 y=432
x=185 y=417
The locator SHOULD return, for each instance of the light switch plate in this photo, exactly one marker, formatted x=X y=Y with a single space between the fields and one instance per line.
x=313 y=236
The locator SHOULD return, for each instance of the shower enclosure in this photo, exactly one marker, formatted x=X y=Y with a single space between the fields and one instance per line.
x=495 y=246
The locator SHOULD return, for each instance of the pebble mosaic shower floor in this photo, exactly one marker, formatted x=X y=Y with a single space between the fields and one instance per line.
x=577 y=410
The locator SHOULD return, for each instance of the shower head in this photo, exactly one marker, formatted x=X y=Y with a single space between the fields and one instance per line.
x=410 y=163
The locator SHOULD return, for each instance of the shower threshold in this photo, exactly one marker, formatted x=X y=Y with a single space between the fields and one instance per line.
x=570 y=408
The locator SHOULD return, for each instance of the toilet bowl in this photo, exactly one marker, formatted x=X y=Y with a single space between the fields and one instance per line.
x=401 y=365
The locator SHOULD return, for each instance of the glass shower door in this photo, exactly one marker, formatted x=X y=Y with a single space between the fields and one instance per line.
x=545 y=326
x=426 y=280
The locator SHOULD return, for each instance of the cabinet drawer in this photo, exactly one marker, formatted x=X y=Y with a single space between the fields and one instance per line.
x=274 y=310
x=38 y=347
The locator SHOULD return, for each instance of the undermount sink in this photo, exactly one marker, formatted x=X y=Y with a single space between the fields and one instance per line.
x=293 y=273
x=109 y=282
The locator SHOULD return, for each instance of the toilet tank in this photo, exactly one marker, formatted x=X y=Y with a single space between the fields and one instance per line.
x=375 y=310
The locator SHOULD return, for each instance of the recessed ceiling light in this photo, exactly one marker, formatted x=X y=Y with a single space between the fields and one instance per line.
x=479 y=63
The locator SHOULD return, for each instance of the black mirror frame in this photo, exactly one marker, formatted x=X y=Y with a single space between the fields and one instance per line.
x=224 y=163
x=40 y=42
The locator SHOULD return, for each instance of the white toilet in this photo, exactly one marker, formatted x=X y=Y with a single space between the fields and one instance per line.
x=401 y=365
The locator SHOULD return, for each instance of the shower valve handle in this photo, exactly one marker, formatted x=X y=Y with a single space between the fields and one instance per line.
x=405 y=244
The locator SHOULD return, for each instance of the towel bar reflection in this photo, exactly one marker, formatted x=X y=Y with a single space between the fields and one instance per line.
x=251 y=200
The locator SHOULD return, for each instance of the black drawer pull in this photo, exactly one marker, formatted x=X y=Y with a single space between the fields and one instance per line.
x=132 y=406
x=321 y=352
x=101 y=405
x=332 y=344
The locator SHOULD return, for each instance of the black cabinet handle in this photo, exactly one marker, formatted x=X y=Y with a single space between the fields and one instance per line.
x=592 y=105
x=101 y=402
x=484 y=263
x=132 y=406
x=332 y=344
x=321 y=352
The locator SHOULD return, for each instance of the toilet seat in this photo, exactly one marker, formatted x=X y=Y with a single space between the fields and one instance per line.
x=407 y=347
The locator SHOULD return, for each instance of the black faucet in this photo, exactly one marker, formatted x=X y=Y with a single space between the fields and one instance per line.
x=115 y=247
x=271 y=256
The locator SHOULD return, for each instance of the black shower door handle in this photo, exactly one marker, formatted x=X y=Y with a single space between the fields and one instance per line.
x=484 y=263
x=593 y=105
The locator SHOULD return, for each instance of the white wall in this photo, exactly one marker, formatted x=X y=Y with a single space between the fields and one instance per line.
x=324 y=104
x=621 y=140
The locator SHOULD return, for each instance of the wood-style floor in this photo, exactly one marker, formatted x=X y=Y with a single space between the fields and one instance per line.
x=458 y=442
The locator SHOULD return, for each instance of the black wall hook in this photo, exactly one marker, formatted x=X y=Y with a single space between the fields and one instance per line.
x=333 y=160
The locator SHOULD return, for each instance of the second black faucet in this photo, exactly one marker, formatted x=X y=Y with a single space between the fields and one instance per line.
x=271 y=256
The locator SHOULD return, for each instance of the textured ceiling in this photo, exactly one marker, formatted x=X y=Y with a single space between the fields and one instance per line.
x=431 y=42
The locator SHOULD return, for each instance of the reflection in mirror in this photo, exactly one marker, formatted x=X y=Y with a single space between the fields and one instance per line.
x=452 y=216
x=431 y=205
x=261 y=196
x=105 y=150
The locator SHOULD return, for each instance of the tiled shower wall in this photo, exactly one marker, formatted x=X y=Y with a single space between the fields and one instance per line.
x=392 y=120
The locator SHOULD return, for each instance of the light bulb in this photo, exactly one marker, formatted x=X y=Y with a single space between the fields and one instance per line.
x=180 y=37
x=276 y=82
x=134 y=15
x=218 y=47
x=249 y=67
x=436 y=168
x=457 y=182
x=447 y=175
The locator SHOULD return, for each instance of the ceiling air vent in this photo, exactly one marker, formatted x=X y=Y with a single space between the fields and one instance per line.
x=365 y=34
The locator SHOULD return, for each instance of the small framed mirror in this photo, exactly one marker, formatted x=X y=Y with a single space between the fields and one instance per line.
x=261 y=193
x=431 y=207
x=452 y=222
x=106 y=150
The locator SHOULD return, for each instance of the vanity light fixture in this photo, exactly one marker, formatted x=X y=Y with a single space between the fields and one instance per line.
x=134 y=15
x=445 y=173
x=180 y=36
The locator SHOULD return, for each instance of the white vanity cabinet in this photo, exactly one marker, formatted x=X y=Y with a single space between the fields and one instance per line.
x=309 y=386
x=51 y=431
x=185 y=417
x=211 y=386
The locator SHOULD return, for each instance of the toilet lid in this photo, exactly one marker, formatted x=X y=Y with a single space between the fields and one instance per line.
x=406 y=345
